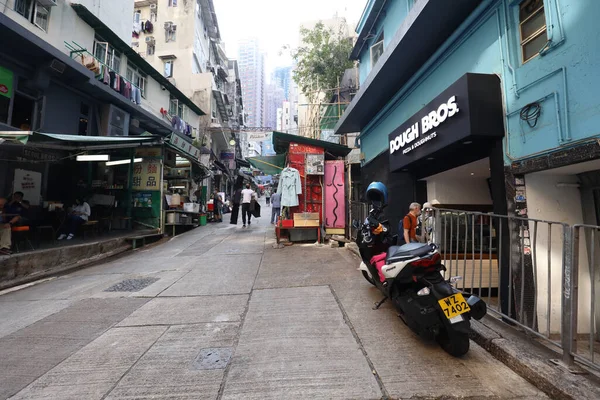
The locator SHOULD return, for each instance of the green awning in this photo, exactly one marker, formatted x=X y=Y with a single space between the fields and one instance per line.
x=281 y=143
x=269 y=165
x=78 y=142
x=105 y=32
x=97 y=139
x=15 y=136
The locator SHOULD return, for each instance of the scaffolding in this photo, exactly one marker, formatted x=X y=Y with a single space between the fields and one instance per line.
x=318 y=103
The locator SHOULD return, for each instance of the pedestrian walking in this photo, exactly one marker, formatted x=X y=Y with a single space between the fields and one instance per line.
x=236 y=201
x=218 y=207
x=247 y=196
x=407 y=232
x=275 y=207
x=268 y=195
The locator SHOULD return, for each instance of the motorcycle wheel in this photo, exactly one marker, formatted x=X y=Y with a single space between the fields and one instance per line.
x=368 y=278
x=456 y=344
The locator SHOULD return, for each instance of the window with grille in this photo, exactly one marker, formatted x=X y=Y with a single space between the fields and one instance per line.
x=36 y=13
x=41 y=17
x=532 y=28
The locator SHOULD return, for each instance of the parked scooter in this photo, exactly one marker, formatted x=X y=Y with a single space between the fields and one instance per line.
x=411 y=276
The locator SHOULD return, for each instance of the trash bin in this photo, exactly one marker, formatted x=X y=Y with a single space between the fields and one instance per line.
x=202 y=219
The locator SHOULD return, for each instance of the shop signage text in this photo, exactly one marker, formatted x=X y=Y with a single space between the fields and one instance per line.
x=258 y=136
x=146 y=175
x=468 y=111
x=430 y=121
x=185 y=146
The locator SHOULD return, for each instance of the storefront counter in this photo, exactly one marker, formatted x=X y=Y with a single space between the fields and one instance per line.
x=175 y=218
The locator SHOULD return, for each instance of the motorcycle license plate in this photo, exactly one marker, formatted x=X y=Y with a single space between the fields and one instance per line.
x=454 y=305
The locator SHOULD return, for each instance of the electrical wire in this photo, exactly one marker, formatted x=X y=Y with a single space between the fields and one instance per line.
x=531 y=114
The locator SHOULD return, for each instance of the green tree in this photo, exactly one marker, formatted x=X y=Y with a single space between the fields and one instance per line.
x=322 y=58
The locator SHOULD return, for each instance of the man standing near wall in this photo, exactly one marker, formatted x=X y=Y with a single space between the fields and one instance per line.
x=410 y=223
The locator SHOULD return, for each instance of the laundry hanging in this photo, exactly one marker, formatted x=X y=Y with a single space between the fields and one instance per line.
x=290 y=187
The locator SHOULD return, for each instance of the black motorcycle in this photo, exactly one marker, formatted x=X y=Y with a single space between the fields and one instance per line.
x=411 y=276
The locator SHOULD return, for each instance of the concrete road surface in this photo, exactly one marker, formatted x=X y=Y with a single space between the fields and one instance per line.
x=218 y=313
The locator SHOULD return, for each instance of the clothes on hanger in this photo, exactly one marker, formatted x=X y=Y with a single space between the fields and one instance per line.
x=289 y=187
x=148 y=27
x=138 y=96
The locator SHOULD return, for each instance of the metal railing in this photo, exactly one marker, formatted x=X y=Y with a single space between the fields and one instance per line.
x=535 y=274
x=516 y=264
x=584 y=315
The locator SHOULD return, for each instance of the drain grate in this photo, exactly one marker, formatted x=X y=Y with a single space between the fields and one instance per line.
x=132 y=285
x=213 y=358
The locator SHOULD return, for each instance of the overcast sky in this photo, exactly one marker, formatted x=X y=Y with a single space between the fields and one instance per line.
x=276 y=22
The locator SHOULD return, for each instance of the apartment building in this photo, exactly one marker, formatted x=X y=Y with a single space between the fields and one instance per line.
x=252 y=70
x=46 y=47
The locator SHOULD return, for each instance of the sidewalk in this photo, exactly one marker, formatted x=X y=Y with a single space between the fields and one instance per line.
x=218 y=313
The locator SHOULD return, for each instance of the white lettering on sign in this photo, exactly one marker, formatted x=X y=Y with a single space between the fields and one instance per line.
x=430 y=121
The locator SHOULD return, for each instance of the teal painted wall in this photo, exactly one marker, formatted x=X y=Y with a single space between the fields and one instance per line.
x=490 y=45
x=394 y=12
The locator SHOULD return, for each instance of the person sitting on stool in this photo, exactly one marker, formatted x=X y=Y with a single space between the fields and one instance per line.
x=79 y=215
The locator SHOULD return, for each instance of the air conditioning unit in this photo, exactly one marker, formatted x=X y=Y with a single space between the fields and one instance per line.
x=114 y=121
x=47 y=3
x=153 y=6
x=150 y=39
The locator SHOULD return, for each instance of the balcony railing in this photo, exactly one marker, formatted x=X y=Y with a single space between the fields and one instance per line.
x=91 y=62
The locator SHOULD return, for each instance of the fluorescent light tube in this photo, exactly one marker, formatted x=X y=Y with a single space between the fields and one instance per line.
x=94 y=157
x=121 y=162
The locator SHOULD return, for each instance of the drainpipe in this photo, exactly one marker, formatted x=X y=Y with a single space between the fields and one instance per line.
x=550 y=45
x=508 y=61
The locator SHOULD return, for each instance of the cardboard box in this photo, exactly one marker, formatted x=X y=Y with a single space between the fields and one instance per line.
x=307 y=219
x=307 y=223
x=306 y=216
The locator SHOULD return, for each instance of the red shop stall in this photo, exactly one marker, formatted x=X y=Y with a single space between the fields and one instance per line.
x=321 y=192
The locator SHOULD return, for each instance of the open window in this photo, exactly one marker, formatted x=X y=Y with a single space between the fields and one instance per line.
x=532 y=28
x=168 y=68
x=377 y=50
x=107 y=54
x=36 y=12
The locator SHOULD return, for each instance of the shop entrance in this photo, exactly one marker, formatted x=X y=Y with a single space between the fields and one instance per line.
x=467 y=187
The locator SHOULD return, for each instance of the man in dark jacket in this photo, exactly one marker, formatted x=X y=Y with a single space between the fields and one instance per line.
x=235 y=209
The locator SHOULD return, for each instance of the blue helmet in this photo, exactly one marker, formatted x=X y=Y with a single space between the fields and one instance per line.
x=377 y=193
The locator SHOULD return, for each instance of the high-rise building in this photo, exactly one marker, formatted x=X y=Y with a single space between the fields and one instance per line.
x=282 y=78
x=252 y=72
x=274 y=97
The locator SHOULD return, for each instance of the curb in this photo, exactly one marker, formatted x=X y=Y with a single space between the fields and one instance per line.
x=50 y=272
x=531 y=361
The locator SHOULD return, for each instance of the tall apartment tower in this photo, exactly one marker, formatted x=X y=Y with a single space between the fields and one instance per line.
x=252 y=72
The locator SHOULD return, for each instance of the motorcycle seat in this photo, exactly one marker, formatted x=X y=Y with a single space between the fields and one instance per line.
x=407 y=251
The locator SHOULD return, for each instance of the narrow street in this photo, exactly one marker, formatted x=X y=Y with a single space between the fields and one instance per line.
x=218 y=313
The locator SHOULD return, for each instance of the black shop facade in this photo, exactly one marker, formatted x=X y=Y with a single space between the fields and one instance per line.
x=450 y=151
